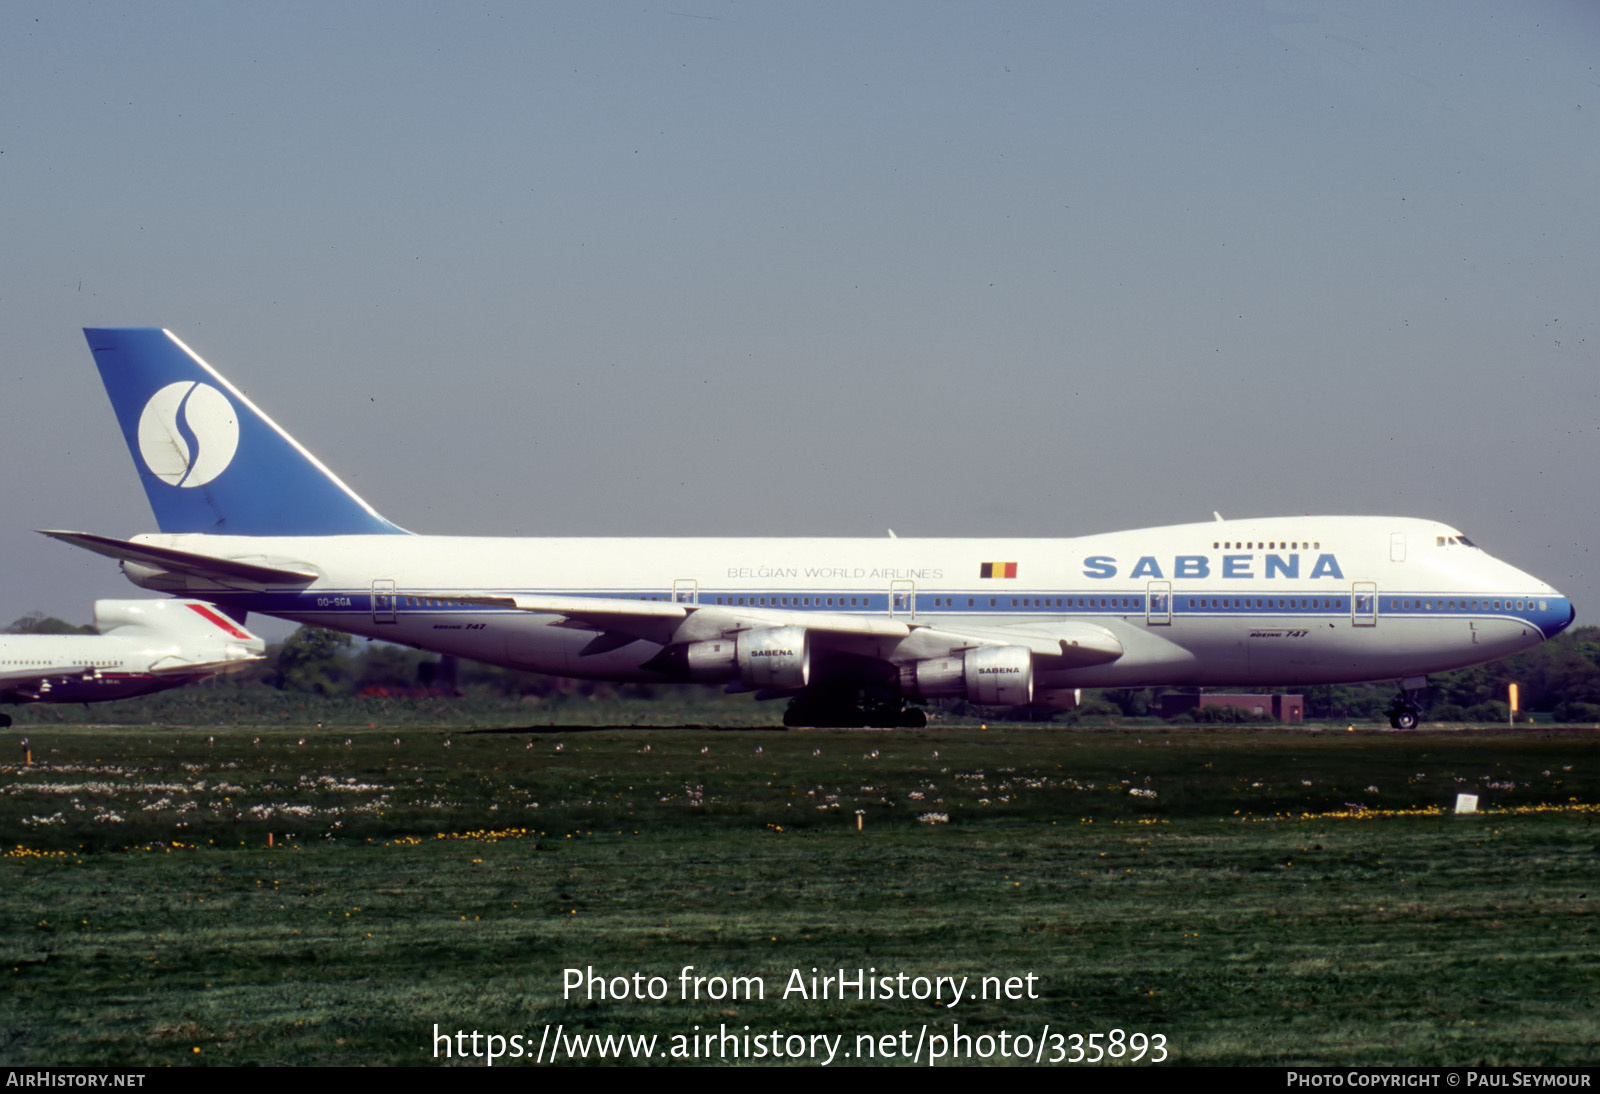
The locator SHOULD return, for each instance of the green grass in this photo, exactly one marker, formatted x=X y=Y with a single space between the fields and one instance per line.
x=1242 y=914
x=220 y=702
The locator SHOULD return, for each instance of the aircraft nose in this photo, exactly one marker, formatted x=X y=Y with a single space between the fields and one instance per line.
x=1553 y=622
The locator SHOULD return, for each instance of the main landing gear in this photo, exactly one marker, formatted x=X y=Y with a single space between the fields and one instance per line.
x=1405 y=712
x=853 y=710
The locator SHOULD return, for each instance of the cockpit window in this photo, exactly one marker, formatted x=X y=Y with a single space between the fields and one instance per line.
x=1453 y=541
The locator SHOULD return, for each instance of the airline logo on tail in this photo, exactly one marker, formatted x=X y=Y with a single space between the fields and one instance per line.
x=186 y=426
x=188 y=433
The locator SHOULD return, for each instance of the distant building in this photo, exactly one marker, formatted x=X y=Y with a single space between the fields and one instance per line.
x=1283 y=708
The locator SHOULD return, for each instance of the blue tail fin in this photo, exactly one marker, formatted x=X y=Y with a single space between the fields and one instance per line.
x=210 y=461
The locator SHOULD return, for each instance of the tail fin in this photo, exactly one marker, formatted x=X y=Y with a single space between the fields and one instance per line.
x=204 y=636
x=193 y=618
x=210 y=461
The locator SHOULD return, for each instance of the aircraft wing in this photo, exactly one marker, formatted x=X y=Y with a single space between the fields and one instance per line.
x=652 y=620
x=1064 y=643
x=596 y=610
x=228 y=572
x=667 y=621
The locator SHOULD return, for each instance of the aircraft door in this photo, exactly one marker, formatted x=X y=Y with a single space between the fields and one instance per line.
x=1158 y=604
x=384 y=601
x=1364 y=604
x=685 y=590
x=903 y=598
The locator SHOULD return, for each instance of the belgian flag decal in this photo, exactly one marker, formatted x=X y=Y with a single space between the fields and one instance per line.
x=997 y=569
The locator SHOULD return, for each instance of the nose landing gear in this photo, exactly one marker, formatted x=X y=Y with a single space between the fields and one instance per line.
x=1406 y=711
x=1403 y=716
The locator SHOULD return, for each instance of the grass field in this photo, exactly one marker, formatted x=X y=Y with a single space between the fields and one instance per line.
x=1250 y=897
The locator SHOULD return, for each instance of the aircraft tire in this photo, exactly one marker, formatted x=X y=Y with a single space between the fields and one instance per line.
x=5 y=721
x=854 y=718
x=814 y=717
x=1405 y=718
x=871 y=715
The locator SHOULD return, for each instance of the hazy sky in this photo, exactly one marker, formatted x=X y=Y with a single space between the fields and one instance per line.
x=820 y=268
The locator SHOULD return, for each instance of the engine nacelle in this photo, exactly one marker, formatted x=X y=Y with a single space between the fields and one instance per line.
x=1058 y=698
x=770 y=657
x=997 y=675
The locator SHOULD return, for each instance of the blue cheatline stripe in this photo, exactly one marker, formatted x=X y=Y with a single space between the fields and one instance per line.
x=1552 y=617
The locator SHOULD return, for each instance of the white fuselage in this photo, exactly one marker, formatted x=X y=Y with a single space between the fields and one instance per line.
x=1277 y=601
x=152 y=645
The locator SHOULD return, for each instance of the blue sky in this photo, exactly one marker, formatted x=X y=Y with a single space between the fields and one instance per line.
x=821 y=269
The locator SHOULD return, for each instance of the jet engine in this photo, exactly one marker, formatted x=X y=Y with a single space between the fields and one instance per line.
x=998 y=675
x=768 y=657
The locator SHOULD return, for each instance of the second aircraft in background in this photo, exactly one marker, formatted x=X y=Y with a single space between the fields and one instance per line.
x=143 y=646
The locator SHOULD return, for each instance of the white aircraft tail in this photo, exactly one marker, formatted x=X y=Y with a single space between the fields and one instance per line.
x=186 y=622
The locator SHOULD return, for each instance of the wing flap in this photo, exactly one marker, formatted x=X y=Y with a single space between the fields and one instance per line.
x=653 y=620
x=1069 y=644
x=599 y=613
x=1060 y=645
x=721 y=618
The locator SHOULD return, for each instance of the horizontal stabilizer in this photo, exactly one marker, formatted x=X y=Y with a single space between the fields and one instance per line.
x=224 y=571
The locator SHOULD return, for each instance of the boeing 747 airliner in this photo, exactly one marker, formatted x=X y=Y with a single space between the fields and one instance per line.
x=851 y=631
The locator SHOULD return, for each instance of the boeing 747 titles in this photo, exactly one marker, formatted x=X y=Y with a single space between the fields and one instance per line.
x=143 y=646
x=851 y=631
